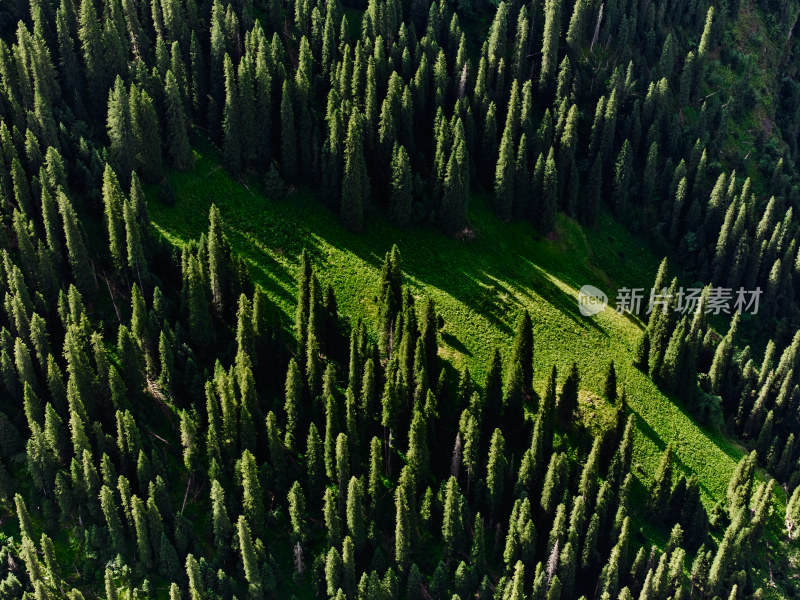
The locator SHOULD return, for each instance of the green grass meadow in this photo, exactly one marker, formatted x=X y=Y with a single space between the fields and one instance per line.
x=479 y=286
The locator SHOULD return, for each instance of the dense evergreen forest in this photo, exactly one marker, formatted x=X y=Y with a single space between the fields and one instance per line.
x=164 y=434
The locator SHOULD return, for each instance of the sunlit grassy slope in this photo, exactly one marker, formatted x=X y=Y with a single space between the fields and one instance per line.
x=479 y=286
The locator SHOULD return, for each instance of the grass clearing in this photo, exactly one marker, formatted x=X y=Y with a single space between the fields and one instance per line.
x=479 y=286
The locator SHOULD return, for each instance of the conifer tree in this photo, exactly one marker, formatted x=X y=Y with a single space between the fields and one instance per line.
x=113 y=199
x=453 y=519
x=177 y=140
x=577 y=25
x=222 y=525
x=196 y=587
x=550 y=37
x=231 y=126
x=622 y=178
x=146 y=134
x=402 y=529
x=522 y=180
x=293 y=403
x=249 y=559
x=504 y=176
x=252 y=494
x=722 y=358
x=355 y=184
x=400 y=199
x=493 y=395
x=342 y=466
x=658 y=499
x=455 y=186
x=143 y=545
x=246 y=96
x=315 y=465
x=288 y=136
x=115 y=530
x=706 y=39
x=78 y=256
x=523 y=348
x=496 y=471
x=356 y=521
x=92 y=47
x=549 y=198
x=567 y=403
x=120 y=132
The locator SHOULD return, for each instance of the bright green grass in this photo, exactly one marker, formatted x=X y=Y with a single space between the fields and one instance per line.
x=479 y=286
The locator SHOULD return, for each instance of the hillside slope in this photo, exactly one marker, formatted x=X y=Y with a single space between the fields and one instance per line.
x=479 y=285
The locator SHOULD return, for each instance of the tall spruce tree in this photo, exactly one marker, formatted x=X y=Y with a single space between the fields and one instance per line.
x=355 y=183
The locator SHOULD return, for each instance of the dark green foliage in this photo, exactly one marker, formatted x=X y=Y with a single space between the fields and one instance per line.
x=122 y=345
x=355 y=184
x=177 y=139
x=523 y=349
x=401 y=198
x=610 y=386
x=567 y=403
x=659 y=495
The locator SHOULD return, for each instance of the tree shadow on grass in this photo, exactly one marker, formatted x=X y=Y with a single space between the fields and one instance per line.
x=456 y=268
x=455 y=343
x=542 y=283
x=648 y=431
x=489 y=273
x=645 y=428
x=272 y=275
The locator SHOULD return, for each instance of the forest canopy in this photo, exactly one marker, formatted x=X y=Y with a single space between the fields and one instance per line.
x=165 y=431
